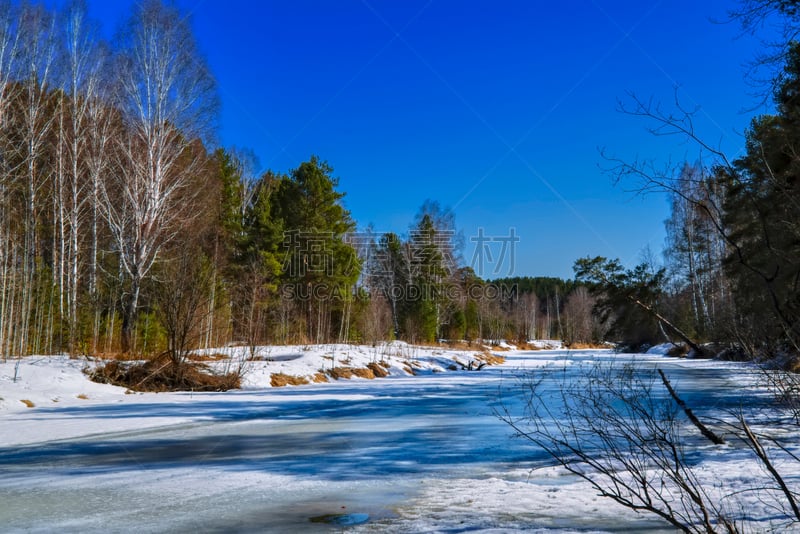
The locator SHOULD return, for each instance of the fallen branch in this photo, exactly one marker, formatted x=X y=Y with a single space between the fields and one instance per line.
x=755 y=444
x=709 y=434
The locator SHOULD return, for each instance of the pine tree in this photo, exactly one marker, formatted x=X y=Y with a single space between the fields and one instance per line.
x=319 y=267
x=763 y=220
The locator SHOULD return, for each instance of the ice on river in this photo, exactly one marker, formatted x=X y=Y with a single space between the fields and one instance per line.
x=403 y=454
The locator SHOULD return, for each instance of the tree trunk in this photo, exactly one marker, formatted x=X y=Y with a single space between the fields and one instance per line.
x=129 y=315
x=680 y=333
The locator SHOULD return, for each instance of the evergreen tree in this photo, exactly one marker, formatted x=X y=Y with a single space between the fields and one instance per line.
x=630 y=299
x=763 y=221
x=256 y=262
x=391 y=276
x=319 y=267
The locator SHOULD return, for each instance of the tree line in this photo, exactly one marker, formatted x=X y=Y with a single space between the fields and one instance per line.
x=732 y=259
x=124 y=229
x=102 y=161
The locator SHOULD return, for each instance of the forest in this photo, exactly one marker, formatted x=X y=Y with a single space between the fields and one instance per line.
x=125 y=228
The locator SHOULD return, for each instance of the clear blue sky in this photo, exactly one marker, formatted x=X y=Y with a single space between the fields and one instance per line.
x=495 y=109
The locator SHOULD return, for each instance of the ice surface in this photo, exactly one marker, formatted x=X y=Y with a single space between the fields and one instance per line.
x=403 y=454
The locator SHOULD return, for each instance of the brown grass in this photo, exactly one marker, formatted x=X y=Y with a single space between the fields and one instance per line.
x=27 y=403
x=458 y=345
x=83 y=396
x=489 y=358
x=577 y=345
x=118 y=356
x=279 y=380
x=378 y=370
x=161 y=374
x=362 y=372
x=524 y=345
x=340 y=372
x=214 y=357
x=449 y=345
x=320 y=378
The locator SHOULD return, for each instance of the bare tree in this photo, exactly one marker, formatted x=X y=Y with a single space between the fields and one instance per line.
x=168 y=100
x=36 y=64
x=695 y=251
x=253 y=295
x=184 y=289
x=103 y=125
x=613 y=429
x=376 y=321
x=580 y=325
x=81 y=81
x=616 y=428
x=9 y=38
x=648 y=178
x=527 y=310
x=780 y=19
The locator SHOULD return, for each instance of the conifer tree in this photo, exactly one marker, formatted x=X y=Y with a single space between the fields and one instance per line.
x=319 y=267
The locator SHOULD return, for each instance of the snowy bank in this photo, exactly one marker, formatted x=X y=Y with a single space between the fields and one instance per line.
x=42 y=381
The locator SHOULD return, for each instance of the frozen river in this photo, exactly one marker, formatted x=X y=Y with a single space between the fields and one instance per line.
x=424 y=453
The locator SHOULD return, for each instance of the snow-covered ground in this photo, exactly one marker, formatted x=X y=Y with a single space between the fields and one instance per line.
x=415 y=452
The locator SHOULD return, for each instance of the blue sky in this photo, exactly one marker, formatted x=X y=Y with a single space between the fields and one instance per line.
x=497 y=110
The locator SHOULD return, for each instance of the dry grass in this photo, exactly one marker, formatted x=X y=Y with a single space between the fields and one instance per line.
x=340 y=372
x=458 y=345
x=527 y=346
x=27 y=403
x=214 y=357
x=379 y=369
x=373 y=370
x=279 y=380
x=450 y=345
x=362 y=372
x=320 y=378
x=118 y=356
x=161 y=374
x=576 y=345
x=489 y=358
x=83 y=396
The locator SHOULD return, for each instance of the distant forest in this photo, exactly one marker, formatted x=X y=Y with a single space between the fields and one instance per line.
x=123 y=228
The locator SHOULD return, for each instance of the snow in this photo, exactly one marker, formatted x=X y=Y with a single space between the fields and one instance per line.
x=60 y=382
x=399 y=358
x=407 y=453
x=663 y=349
x=546 y=344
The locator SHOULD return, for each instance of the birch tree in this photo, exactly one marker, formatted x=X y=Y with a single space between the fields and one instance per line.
x=81 y=81
x=36 y=65
x=695 y=251
x=9 y=37
x=167 y=98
